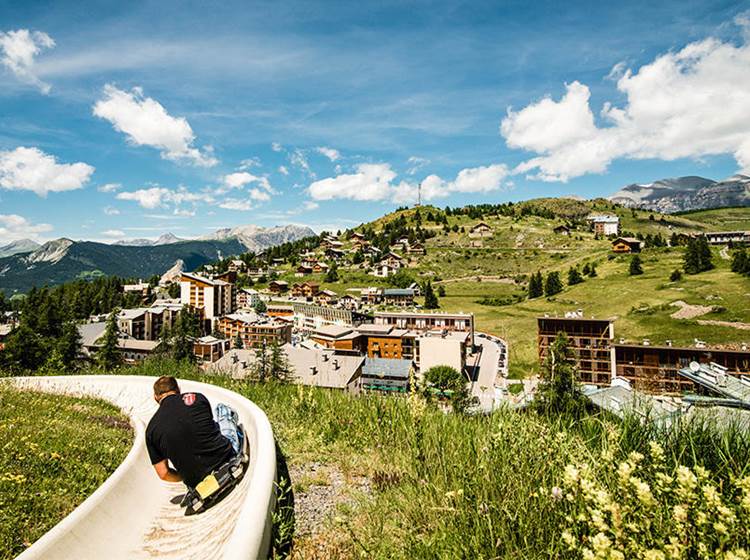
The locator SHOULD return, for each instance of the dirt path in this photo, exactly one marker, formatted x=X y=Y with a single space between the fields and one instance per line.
x=687 y=311
x=732 y=324
x=496 y=279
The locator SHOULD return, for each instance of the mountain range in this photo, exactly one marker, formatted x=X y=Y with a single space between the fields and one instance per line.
x=682 y=194
x=62 y=260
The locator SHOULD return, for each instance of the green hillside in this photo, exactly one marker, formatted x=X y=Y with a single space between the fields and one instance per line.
x=524 y=243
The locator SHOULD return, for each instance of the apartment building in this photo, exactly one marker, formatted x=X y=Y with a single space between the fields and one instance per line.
x=422 y=322
x=253 y=329
x=590 y=341
x=212 y=298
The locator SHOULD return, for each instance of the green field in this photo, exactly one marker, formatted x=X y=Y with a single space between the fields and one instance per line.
x=56 y=451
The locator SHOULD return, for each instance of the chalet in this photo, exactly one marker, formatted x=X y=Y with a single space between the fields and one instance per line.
x=371 y=251
x=349 y=302
x=303 y=270
x=320 y=267
x=393 y=259
x=326 y=297
x=480 y=230
x=237 y=265
x=416 y=249
x=281 y=311
x=278 y=286
x=604 y=224
x=416 y=288
x=142 y=288
x=335 y=254
x=384 y=269
x=309 y=261
x=626 y=245
x=372 y=295
x=278 y=260
x=332 y=244
x=562 y=230
x=356 y=236
x=400 y=297
x=306 y=289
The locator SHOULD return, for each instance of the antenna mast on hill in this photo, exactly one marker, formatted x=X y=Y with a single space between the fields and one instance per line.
x=419 y=195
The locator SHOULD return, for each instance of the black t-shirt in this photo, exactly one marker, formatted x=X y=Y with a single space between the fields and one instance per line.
x=183 y=430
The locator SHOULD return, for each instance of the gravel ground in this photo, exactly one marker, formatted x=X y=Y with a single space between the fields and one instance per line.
x=323 y=489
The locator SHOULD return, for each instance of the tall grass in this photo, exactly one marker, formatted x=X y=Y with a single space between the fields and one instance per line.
x=453 y=486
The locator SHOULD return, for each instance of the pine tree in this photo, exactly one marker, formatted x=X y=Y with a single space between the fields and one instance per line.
x=635 y=266
x=238 y=344
x=559 y=391
x=261 y=366
x=69 y=344
x=441 y=290
x=260 y=306
x=278 y=364
x=552 y=284
x=574 y=277
x=333 y=274
x=536 y=287
x=740 y=262
x=109 y=355
x=697 y=256
x=430 y=299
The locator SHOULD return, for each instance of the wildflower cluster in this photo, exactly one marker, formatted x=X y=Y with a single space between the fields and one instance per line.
x=641 y=508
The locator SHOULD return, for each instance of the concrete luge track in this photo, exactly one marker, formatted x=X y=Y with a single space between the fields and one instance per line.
x=130 y=516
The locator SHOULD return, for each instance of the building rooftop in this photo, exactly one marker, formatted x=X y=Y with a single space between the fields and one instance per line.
x=322 y=368
x=333 y=331
x=203 y=279
x=129 y=314
x=716 y=379
x=91 y=332
x=383 y=367
x=398 y=292
x=370 y=328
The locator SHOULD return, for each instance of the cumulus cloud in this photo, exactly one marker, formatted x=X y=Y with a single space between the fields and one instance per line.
x=283 y=170
x=415 y=164
x=13 y=227
x=146 y=122
x=32 y=170
x=111 y=211
x=242 y=178
x=685 y=104
x=331 y=153
x=160 y=197
x=113 y=233
x=375 y=182
x=109 y=187
x=19 y=49
x=250 y=162
x=276 y=147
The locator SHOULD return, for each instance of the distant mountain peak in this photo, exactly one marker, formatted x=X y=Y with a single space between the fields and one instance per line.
x=52 y=251
x=18 y=246
x=685 y=193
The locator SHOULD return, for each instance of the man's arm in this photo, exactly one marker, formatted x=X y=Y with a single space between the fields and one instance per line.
x=165 y=473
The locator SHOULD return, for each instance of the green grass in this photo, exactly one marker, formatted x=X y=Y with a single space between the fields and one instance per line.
x=451 y=486
x=56 y=451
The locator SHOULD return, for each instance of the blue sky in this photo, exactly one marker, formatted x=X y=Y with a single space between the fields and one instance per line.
x=120 y=122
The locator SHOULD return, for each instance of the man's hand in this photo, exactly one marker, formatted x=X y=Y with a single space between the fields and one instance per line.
x=165 y=473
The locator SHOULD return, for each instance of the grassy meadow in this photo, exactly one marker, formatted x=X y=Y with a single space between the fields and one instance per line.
x=56 y=451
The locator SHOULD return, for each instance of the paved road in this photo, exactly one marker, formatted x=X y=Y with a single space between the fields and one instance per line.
x=490 y=372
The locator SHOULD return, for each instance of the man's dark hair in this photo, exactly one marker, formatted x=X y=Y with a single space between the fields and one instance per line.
x=165 y=384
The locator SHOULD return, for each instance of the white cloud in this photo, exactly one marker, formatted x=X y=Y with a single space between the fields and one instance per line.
x=145 y=122
x=373 y=182
x=236 y=204
x=109 y=187
x=283 y=170
x=310 y=205
x=250 y=162
x=685 y=104
x=13 y=227
x=159 y=197
x=111 y=211
x=330 y=153
x=113 y=233
x=297 y=158
x=416 y=163
x=33 y=170
x=276 y=147
x=18 y=51
x=259 y=195
x=242 y=178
